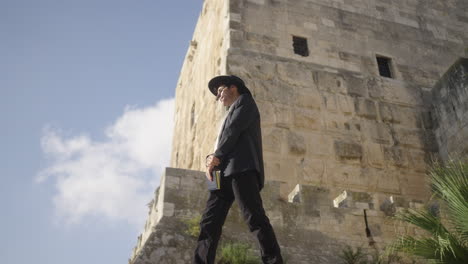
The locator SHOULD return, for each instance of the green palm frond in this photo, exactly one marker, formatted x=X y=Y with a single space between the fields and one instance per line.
x=350 y=256
x=422 y=219
x=450 y=183
x=441 y=250
x=447 y=237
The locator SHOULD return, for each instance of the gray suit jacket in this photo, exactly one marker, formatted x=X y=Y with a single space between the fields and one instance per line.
x=240 y=142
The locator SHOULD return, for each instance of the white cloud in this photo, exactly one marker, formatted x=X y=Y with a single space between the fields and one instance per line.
x=113 y=179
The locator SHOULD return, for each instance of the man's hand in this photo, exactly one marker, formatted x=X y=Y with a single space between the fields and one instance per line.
x=211 y=162
x=208 y=173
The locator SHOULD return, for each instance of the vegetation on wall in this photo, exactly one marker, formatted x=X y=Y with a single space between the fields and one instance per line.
x=193 y=226
x=237 y=253
x=359 y=256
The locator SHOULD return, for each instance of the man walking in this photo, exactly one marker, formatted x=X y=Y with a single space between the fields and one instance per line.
x=238 y=155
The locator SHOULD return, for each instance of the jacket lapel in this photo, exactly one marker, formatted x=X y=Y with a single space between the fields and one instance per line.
x=227 y=120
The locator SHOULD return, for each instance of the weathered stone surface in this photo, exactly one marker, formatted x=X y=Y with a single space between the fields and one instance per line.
x=308 y=99
x=330 y=82
x=374 y=155
x=345 y=103
x=412 y=138
x=365 y=108
x=276 y=115
x=450 y=110
x=296 y=143
x=389 y=182
x=308 y=223
x=350 y=199
x=396 y=156
x=273 y=140
x=273 y=91
x=330 y=101
x=389 y=112
x=408 y=117
x=377 y=132
x=348 y=150
x=420 y=160
x=319 y=145
x=356 y=86
x=311 y=171
x=309 y=120
x=394 y=91
x=292 y=73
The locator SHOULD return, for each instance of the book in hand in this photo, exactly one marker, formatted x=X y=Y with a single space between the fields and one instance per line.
x=216 y=183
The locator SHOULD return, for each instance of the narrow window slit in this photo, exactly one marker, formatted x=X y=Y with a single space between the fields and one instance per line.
x=300 y=46
x=385 y=66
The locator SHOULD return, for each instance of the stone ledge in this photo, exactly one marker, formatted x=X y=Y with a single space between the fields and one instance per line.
x=310 y=212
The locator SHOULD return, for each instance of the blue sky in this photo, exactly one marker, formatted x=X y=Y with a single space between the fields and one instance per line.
x=86 y=102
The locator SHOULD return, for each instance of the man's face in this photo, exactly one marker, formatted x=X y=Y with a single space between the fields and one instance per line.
x=227 y=95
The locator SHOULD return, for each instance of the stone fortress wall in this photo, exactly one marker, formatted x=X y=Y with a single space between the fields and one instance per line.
x=338 y=137
x=328 y=119
x=309 y=227
x=450 y=110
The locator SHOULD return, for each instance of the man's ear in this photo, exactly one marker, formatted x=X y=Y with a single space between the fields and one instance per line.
x=232 y=87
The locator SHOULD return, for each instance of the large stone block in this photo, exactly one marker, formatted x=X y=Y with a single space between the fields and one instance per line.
x=365 y=108
x=279 y=115
x=277 y=167
x=345 y=175
x=310 y=196
x=414 y=185
x=377 y=132
x=374 y=154
x=412 y=138
x=293 y=74
x=356 y=86
x=389 y=112
x=307 y=119
x=261 y=70
x=273 y=140
x=346 y=125
x=345 y=103
x=396 y=156
x=296 y=143
x=267 y=113
x=309 y=98
x=330 y=101
x=389 y=182
x=330 y=82
x=319 y=145
x=310 y=171
x=352 y=199
x=420 y=160
x=348 y=150
x=172 y=182
x=394 y=91
x=406 y=116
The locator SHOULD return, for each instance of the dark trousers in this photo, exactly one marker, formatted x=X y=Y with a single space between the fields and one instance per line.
x=244 y=188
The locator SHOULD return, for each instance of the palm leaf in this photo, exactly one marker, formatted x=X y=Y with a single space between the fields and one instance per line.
x=450 y=183
x=444 y=243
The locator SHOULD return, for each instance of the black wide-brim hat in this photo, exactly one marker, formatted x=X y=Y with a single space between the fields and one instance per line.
x=227 y=80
